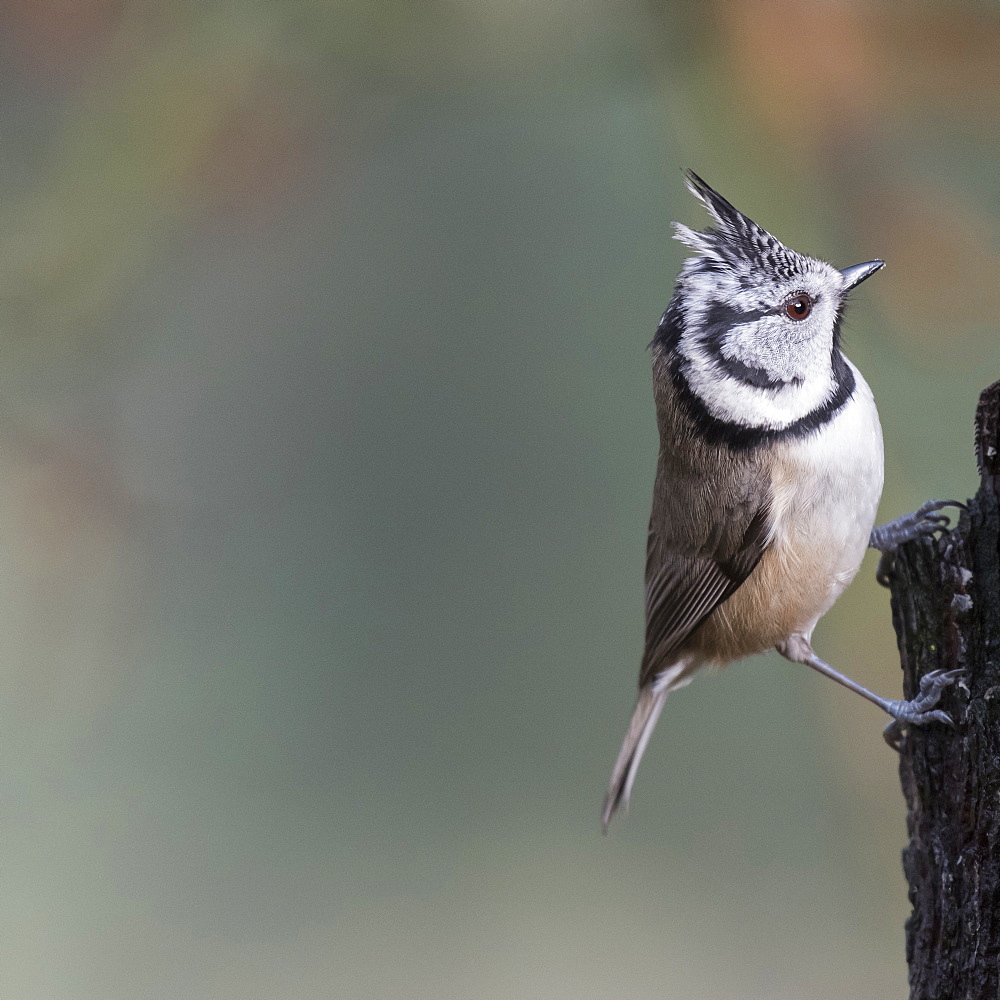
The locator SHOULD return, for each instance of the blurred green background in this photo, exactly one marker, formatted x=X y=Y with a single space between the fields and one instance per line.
x=327 y=450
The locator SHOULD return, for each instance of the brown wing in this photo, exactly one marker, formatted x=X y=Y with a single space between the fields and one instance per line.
x=708 y=528
x=684 y=587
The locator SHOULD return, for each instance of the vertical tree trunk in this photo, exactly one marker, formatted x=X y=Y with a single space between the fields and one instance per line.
x=946 y=612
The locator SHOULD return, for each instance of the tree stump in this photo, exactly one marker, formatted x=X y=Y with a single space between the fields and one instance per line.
x=946 y=612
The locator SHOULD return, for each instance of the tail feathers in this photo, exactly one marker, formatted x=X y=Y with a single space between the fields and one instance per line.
x=647 y=711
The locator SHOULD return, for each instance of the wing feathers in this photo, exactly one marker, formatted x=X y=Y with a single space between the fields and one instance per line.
x=683 y=590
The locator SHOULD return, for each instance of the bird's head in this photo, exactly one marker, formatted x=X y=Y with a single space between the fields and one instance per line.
x=755 y=324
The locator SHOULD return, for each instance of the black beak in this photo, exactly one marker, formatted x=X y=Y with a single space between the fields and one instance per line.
x=853 y=276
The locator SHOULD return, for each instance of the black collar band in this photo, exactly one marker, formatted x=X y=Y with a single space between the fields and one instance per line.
x=739 y=437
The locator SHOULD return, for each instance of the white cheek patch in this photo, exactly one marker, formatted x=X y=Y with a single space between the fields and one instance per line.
x=772 y=346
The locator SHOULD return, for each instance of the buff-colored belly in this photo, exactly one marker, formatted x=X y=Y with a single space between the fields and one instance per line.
x=793 y=585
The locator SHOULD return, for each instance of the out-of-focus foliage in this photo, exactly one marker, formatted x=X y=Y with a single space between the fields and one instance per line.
x=327 y=445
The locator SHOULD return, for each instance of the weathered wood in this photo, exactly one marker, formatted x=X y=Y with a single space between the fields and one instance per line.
x=946 y=612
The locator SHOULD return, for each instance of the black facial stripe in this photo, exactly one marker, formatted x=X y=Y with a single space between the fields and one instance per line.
x=720 y=316
x=739 y=437
x=747 y=374
x=718 y=319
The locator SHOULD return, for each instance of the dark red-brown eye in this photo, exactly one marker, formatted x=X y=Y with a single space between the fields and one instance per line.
x=798 y=306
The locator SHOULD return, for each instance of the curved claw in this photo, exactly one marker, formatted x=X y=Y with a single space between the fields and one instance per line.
x=939 y=679
x=893 y=732
x=936 y=716
x=931 y=505
x=925 y=520
x=920 y=710
x=893 y=735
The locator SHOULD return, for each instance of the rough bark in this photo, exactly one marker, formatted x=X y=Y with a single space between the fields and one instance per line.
x=946 y=612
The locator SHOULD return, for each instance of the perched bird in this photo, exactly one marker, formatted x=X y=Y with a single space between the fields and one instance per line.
x=769 y=471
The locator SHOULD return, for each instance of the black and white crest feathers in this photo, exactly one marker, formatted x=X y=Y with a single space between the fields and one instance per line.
x=736 y=241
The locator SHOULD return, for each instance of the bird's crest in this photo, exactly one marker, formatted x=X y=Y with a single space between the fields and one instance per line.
x=736 y=240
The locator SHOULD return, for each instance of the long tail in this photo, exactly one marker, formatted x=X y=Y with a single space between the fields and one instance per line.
x=647 y=711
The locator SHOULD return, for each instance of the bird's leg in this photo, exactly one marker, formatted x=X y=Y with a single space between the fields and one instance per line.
x=889 y=536
x=915 y=712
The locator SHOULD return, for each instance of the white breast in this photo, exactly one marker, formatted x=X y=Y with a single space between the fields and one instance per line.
x=826 y=493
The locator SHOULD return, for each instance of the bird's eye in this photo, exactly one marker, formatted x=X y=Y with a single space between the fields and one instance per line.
x=798 y=306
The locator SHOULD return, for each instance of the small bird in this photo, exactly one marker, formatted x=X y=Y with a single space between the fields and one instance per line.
x=769 y=473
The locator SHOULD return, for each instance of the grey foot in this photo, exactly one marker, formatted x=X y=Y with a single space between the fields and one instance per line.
x=921 y=709
x=923 y=521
